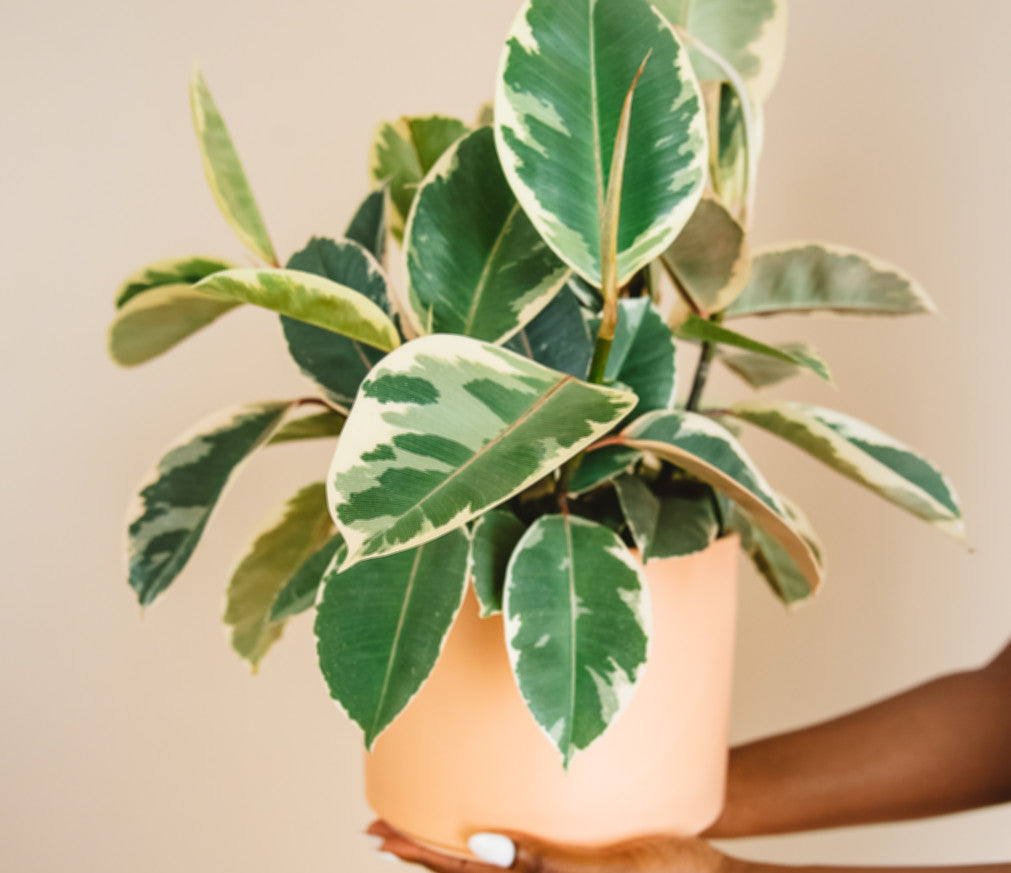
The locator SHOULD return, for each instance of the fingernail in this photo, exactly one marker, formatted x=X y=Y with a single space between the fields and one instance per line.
x=389 y=856
x=493 y=849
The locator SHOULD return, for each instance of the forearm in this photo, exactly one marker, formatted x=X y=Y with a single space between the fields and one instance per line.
x=938 y=748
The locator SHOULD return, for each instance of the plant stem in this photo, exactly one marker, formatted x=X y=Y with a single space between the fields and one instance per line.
x=702 y=370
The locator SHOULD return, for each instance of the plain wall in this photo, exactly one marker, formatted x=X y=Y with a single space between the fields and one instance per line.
x=144 y=744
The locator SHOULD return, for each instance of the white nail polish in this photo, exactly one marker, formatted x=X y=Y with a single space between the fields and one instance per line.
x=389 y=856
x=493 y=849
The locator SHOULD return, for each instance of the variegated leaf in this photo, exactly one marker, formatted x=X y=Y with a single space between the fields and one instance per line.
x=557 y=337
x=707 y=331
x=381 y=625
x=475 y=264
x=224 y=172
x=642 y=356
x=312 y=299
x=302 y=589
x=368 y=225
x=731 y=154
x=749 y=34
x=151 y=323
x=402 y=153
x=336 y=363
x=492 y=540
x=814 y=277
x=303 y=526
x=577 y=627
x=666 y=526
x=179 y=495
x=447 y=427
x=865 y=455
x=172 y=271
x=320 y=425
x=709 y=263
x=761 y=371
x=600 y=466
x=567 y=67
x=709 y=452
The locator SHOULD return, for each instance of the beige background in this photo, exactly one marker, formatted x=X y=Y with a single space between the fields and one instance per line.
x=145 y=745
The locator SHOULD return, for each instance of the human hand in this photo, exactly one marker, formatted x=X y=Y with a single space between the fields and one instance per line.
x=525 y=854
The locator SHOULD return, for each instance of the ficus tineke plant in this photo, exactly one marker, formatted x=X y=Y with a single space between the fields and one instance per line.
x=511 y=418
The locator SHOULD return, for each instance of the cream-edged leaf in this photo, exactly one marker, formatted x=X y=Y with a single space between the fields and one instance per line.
x=302 y=527
x=153 y=322
x=447 y=427
x=577 y=628
x=564 y=76
x=309 y=298
x=381 y=626
x=761 y=371
x=302 y=589
x=170 y=271
x=178 y=496
x=865 y=455
x=319 y=425
x=224 y=172
x=802 y=278
x=709 y=452
x=557 y=337
x=475 y=263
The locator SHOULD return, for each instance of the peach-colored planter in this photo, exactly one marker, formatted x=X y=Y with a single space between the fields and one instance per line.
x=467 y=756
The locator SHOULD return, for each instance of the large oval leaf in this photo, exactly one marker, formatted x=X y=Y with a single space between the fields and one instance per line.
x=312 y=299
x=814 y=277
x=567 y=67
x=749 y=34
x=171 y=271
x=643 y=355
x=302 y=527
x=336 y=363
x=381 y=626
x=445 y=428
x=225 y=174
x=402 y=153
x=161 y=317
x=707 y=451
x=177 y=499
x=577 y=627
x=475 y=264
x=865 y=455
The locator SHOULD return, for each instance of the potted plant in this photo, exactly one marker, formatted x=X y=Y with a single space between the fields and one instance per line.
x=518 y=484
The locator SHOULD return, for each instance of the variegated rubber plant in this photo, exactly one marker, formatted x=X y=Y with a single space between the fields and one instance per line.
x=511 y=418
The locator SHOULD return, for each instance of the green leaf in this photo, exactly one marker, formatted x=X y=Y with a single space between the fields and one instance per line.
x=302 y=527
x=707 y=331
x=601 y=465
x=557 y=337
x=761 y=371
x=666 y=526
x=730 y=159
x=151 y=323
x=493 y=538
x=709 y=452
x=475 y=264
x=709 y=262
x=320 y=425
x=225 y=174
x=749 y=34
x=336 y=363
x=180 y=493
x=577 y=626
x=770 y=559
x=172 y=271
x=813 y=277
x=368 y=225
x=642 y=356
x=402 y=153
x=567 y=68
x=865 y=455
x=381 y=625
x=299 y=594
x=447 y=427
x=312 y=299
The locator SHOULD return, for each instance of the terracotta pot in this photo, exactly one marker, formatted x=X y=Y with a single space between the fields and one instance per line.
x=467 y=756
